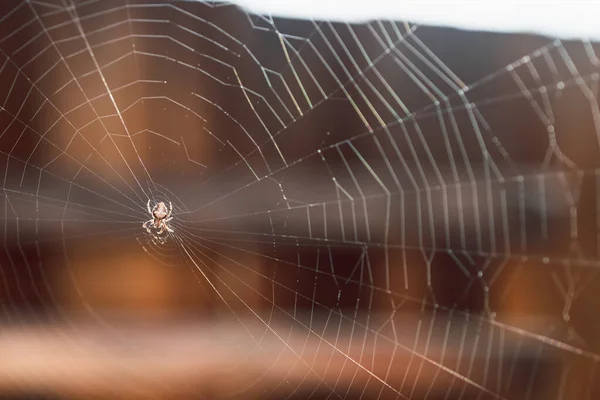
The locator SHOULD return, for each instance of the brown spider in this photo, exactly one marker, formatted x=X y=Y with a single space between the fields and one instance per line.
x=160 y=216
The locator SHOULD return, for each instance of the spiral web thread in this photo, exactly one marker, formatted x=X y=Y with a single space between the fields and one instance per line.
x=384 y=175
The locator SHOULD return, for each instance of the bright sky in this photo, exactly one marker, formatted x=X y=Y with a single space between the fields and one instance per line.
x=563 y=19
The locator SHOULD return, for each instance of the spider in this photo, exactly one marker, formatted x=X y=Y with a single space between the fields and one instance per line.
x=160 y=217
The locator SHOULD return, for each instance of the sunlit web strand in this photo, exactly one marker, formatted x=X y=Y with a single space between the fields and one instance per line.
x=182 y=240
x=62 y=117
x=540 y=338
x=77 y=22
x=452 y=372
x=291 y=164
x=82 y=91
x=192 y=237
x=536 y=258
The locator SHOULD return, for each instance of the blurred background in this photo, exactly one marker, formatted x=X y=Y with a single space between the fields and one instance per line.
x=367 y=209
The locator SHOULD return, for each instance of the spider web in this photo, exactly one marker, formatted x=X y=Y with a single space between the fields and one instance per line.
x=402 y=211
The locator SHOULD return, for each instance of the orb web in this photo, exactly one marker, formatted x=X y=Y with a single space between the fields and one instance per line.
x=384 y=210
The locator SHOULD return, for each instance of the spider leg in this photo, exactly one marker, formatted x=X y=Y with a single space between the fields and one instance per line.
x=148 y=206
x=145 y=225
x=157 y=240
x=167 y=227
x=170 y=209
